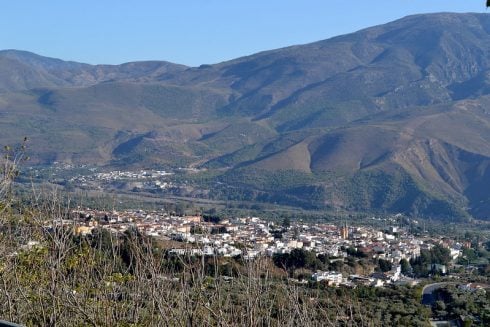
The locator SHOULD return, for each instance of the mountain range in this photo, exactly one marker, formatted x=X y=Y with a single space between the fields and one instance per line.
x=392 y=118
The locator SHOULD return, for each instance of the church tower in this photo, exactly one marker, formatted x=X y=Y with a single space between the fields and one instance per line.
x=344 y=231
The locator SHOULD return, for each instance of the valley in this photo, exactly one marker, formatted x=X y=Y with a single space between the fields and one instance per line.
x=387 y=119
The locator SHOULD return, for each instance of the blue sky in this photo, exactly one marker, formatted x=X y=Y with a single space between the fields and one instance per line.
x=192 y=32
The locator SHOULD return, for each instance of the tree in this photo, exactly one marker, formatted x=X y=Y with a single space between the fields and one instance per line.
x=298 y=258
x=103 y=240
x=384 y=265
x=440 y=309
x=405 y=267
x=196 y=229
x=180 y=209
x=356 y=253
x=286 y=222
x=437 y=255
x=440 y=255
x=9 y=171
x=470 y=255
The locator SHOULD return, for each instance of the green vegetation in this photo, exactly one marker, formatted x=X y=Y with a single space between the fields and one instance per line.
x=298 y=258
x=371 y=190
x=396 y=192
x=472 y=306
x=438 y=255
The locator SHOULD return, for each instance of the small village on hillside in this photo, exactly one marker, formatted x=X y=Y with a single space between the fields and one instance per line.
x=253 y=237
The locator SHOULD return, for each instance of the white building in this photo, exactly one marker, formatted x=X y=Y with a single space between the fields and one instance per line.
x=330 y=276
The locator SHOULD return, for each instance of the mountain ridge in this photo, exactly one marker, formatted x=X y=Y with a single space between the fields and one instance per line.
x=399 y=110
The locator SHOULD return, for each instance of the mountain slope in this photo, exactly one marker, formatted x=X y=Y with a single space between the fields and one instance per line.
x=392 y=118
x=22 y=70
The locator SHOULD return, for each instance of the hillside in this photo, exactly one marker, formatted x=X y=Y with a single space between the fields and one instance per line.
x=392 y=118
